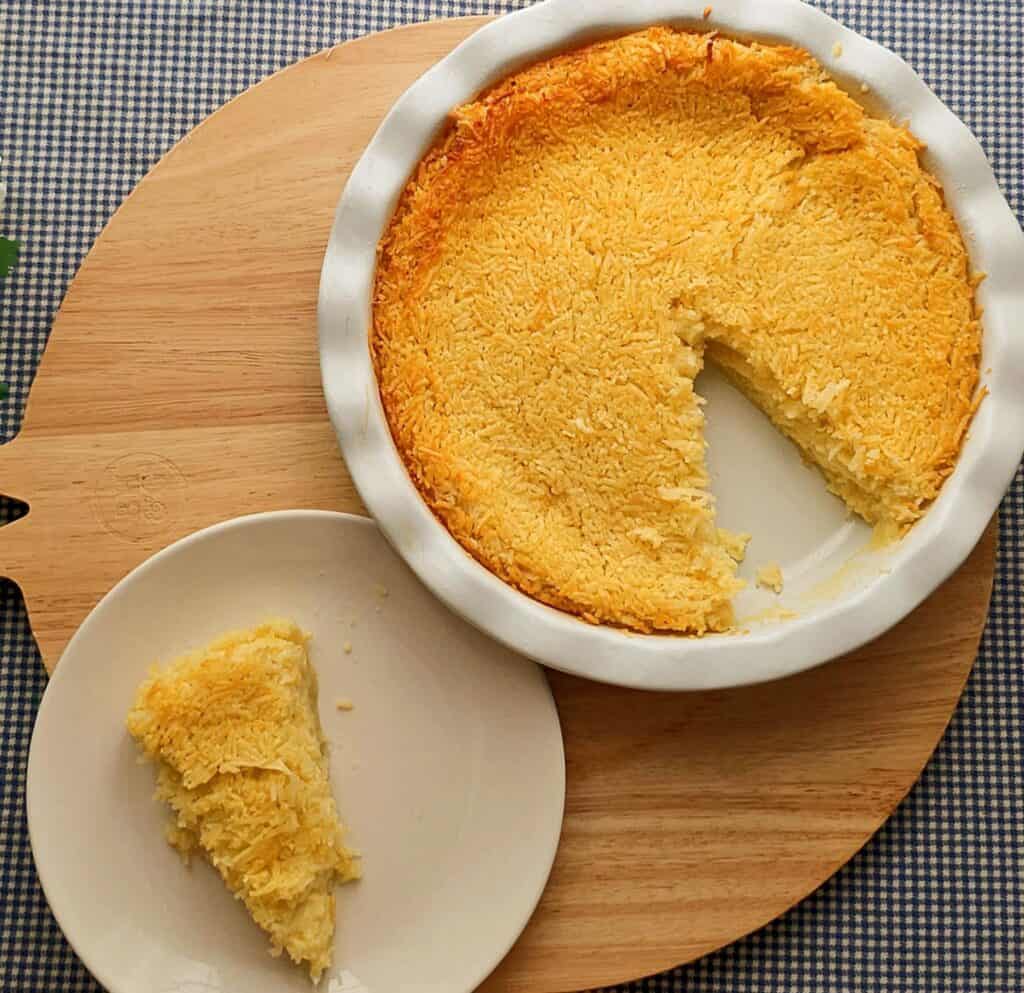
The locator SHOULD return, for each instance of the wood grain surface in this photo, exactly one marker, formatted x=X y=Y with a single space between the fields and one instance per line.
x=181 y=387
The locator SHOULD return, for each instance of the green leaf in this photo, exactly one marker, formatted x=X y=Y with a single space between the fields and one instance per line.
x=8 y=255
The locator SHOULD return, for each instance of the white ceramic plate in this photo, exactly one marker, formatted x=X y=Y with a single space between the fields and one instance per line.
x=449 y=771
x=843 y=591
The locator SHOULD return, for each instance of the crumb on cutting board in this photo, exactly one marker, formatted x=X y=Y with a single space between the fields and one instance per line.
x=347 y=648
x=769 y=577
x=380 y=590
x=343 y=703
x=837 y=49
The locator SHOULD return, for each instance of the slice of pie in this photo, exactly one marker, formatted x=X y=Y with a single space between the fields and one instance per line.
x=589 y=231
x=242 y=761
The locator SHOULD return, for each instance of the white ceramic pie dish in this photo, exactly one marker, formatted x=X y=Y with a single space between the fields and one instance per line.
x=842 y=590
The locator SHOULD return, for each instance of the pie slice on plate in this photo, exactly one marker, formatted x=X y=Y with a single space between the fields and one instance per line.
x=242 y=761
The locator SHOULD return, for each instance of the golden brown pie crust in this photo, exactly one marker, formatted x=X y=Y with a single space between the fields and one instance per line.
x=577 y=241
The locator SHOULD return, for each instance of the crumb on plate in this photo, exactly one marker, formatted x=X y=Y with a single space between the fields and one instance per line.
x=734 y=542
x=769 y=577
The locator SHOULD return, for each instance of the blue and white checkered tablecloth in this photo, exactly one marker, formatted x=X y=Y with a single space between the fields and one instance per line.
x=92 y=92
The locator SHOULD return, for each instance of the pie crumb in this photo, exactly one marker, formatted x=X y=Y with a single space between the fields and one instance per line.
x=837 y=49
x=343 y=703
x=706 y=12
x=734 y=542
x=347 y=648
x=864 y=88
x=769 y=577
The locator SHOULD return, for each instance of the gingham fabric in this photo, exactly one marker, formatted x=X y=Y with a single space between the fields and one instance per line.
x=92 y=92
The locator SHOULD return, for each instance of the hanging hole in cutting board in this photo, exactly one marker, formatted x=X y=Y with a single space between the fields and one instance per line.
x=11 y=509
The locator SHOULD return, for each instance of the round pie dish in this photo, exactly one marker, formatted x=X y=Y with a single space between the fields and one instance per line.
x=842 y=588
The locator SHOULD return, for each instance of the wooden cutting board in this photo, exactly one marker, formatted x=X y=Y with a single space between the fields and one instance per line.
x=181 y=387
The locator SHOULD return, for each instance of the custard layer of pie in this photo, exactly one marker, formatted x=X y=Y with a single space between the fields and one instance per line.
x=585 y=234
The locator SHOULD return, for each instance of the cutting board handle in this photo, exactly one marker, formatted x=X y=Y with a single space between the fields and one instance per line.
x=19 y=536
x=14 y=486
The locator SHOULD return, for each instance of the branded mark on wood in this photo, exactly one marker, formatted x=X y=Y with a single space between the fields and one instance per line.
x=138 y=495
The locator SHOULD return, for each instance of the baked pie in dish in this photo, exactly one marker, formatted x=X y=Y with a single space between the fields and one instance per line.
x=591 y=230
